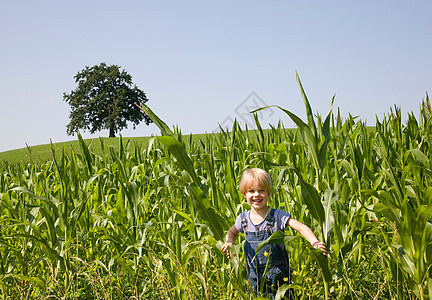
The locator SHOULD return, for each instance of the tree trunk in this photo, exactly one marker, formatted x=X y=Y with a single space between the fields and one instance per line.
x=111 y=132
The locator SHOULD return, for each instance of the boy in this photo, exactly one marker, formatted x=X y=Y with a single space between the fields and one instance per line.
x=259 y=223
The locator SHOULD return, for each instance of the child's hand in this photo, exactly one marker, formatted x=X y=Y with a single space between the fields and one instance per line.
x=225 y=249
x=321 y=246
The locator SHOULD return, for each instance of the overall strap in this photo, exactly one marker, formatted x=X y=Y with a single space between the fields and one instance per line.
x=270 y=220
x=243 y=217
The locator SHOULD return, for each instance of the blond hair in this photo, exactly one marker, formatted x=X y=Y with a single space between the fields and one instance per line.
x=255 y=176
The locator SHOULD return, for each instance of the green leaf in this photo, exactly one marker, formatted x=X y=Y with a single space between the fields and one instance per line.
x=50 y=252
x=326 y=125
x=165 y=130
x=419 y=157
x=86 y=153
x=312 y=200
x=386 y=206
x=178 y=150
x=206 y=212
x=309 y=113
x=184 y=215
x=283 y=289
x=322 y=263
x=429 y=286
x=405 y=261
x=330 y=197
x=306 y=132
x=428 y=196
x=39 y=282
x=277 y=237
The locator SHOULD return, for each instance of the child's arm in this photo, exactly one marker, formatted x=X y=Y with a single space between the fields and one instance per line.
x=307 y=233
x=229 y=240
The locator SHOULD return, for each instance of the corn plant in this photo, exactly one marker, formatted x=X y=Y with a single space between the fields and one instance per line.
x=147 y=220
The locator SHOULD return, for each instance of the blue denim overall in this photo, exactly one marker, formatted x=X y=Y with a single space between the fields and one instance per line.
x=278 y=268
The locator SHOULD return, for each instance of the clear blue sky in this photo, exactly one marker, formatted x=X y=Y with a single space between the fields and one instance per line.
x=199 y=61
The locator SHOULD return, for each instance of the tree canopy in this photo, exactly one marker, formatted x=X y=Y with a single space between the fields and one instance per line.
x=105 y=98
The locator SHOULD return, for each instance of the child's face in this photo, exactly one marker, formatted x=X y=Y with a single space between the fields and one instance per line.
x=257 y=197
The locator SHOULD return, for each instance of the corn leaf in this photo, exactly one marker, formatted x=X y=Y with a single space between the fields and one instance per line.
x=278 y=237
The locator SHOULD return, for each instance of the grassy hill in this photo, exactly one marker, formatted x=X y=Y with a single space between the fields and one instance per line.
x=42 y=153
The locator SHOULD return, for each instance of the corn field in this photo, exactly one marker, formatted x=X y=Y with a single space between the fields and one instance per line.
x=148 y=221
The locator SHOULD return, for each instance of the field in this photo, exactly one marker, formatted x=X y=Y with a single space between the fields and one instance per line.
x=146 y=220
x=42 y=153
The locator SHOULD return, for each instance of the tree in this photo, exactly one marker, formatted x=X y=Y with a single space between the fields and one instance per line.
x=104 y=99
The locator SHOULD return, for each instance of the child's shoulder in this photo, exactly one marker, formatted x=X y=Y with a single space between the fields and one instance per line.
x=243 y=214
x=280 y=213
x=281 y=218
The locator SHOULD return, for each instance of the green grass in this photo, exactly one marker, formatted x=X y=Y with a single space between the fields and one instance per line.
x=42 y=153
